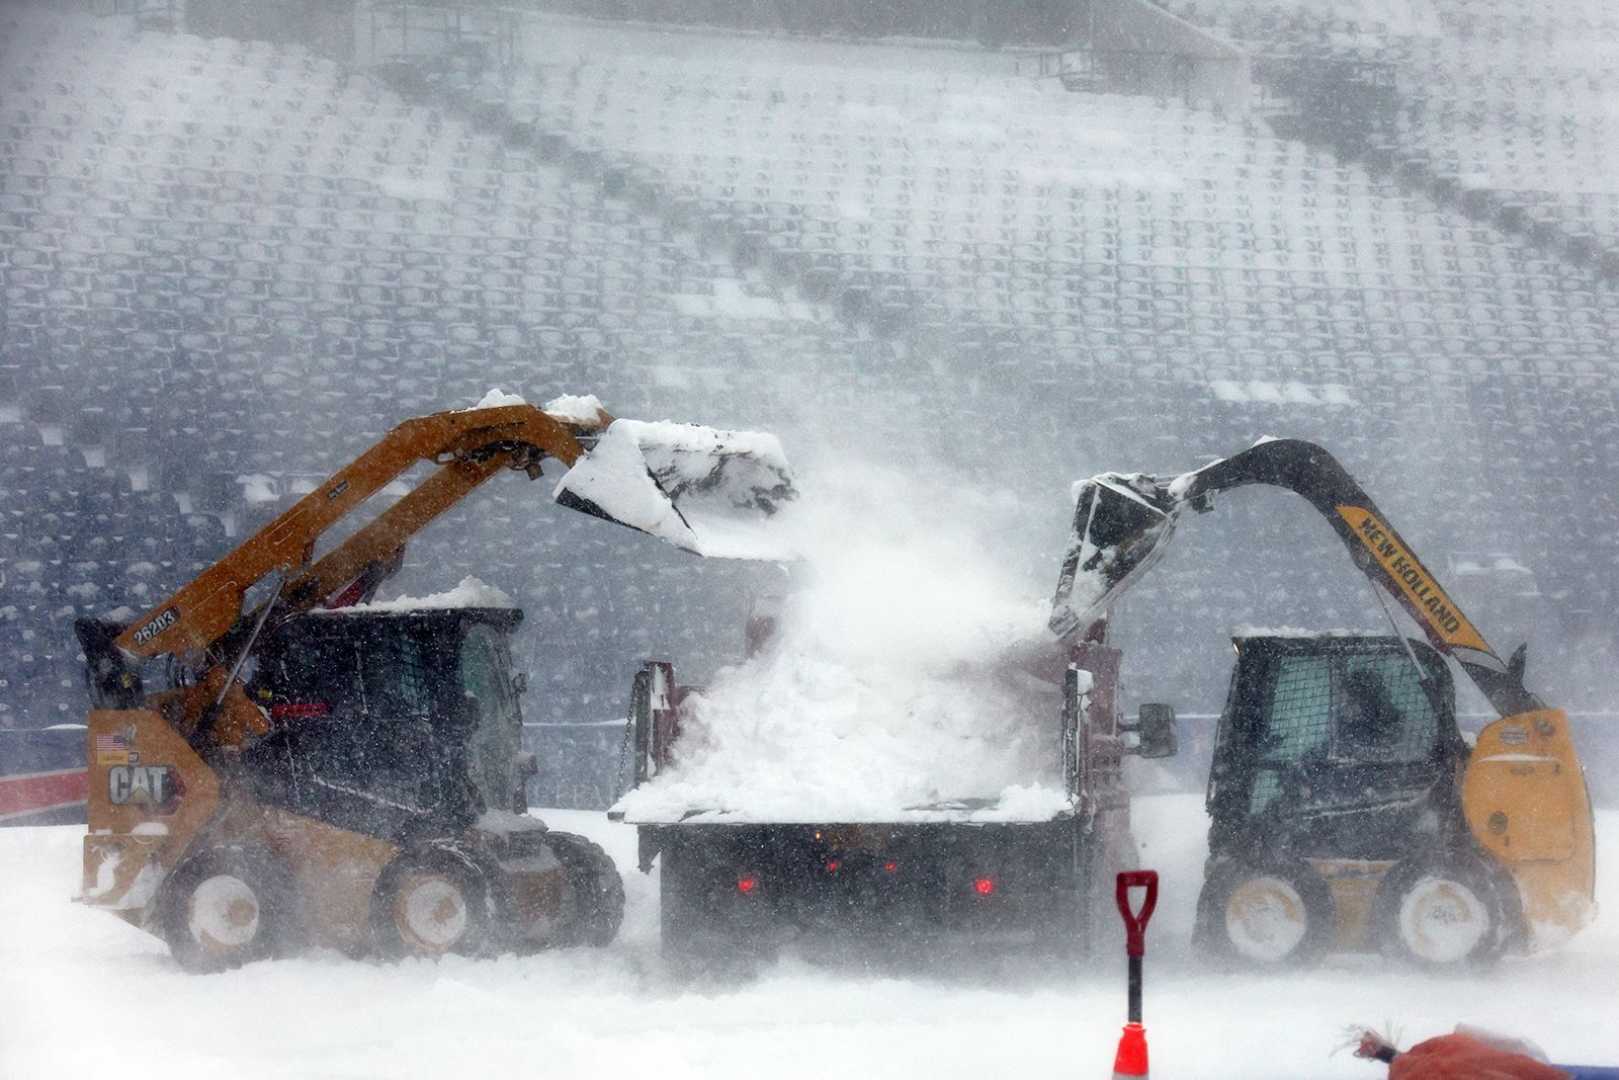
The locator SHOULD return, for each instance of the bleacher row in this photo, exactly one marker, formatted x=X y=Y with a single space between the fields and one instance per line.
x=1015 y=206
x=1506 y=98
x=1189 y=250
x=228 y=267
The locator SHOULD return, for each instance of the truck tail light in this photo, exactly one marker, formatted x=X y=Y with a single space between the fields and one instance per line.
x=984 y=886
x=747 y=884
x=299 y=710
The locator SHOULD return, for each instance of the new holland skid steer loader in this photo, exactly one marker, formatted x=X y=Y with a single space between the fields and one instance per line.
x=1346 y=808
x=274 y=762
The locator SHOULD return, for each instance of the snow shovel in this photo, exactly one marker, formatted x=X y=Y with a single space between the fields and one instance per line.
x=715 y=493
x=1131 y=1059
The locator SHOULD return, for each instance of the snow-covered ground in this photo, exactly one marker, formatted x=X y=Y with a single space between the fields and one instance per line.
x=81 y=994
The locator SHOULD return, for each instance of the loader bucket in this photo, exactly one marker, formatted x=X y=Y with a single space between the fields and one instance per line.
x=1121 y=523
x=715 y=493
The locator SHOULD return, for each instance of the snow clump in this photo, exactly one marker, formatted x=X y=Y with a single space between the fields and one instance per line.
x=884 y=693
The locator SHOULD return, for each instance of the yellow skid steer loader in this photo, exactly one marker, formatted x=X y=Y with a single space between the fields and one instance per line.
x=273 y=761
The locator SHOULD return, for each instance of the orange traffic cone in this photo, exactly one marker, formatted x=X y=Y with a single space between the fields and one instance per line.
x=1131 y=1060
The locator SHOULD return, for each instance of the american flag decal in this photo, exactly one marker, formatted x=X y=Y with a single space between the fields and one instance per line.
x=115 y=740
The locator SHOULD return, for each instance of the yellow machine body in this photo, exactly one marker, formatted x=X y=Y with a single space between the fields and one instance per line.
x=1525 y=800
x=153 y=802
x=150 y=797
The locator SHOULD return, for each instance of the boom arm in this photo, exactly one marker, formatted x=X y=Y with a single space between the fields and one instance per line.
x=470 y=447
x=703 y=490
x=1122 y=520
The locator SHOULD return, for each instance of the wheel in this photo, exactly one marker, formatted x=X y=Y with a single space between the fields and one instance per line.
x=1443 y=912
x=1273 y=914
x=227 y=906
x=433 y=900
x=598 y=891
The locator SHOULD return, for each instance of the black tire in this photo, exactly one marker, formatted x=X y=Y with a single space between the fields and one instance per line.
x=1445 y=912
x=598 y=891
x=434 y=900
x=1267 y=915
x=228 y=906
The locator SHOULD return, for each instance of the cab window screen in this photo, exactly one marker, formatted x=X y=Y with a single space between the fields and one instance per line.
x=1300 y=713
x=374 y=746
x=1298 y=723
x=1381 y=712
x=493 y=745
x=393 y=676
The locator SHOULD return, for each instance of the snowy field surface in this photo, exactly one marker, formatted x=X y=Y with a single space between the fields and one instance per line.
x=81 y=994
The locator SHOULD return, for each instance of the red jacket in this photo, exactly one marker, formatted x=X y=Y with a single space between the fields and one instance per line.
x=1462 y=1057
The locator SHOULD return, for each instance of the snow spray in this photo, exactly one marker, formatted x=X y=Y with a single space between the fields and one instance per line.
x=1131 y=1059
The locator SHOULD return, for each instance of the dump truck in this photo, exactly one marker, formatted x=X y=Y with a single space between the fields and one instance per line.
x=954 y=878
x=276 y=760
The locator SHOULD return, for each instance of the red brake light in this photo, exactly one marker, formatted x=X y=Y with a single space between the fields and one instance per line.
x=832 y=866
x=746 y=884
x=299 y=710
x=984 y=886
x=890 y=866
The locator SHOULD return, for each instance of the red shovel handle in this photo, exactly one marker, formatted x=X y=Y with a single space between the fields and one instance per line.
x=1135 y=923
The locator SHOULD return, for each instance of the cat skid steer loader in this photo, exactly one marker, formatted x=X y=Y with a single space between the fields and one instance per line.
x=275 y=762
x=1346 y=808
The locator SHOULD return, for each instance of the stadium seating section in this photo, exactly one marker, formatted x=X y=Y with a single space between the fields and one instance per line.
x=226 y=267
x=1504 y=98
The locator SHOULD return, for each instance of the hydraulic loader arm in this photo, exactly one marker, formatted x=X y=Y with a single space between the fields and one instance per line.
x=1122 y=521
x=469 y=446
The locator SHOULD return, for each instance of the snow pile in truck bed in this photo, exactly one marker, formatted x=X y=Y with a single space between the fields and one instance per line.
x=470 y=593
x=880 y=697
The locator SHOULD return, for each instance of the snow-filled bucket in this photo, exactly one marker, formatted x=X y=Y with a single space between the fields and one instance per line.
x=1121 y=522
x=716 y=493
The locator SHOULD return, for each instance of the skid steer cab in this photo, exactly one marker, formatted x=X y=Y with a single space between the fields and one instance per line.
x=380 y=811
x=1349 y=813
